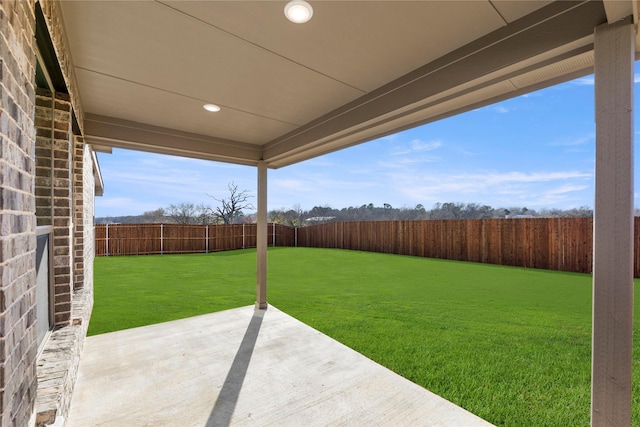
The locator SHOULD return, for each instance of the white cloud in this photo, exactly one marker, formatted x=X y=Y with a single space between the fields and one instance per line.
x=464 y=151
x=495 y=188
x=290 y=184
x=339 y=187
x=115 y=201
x=152 y=162
x=415 y=146
x=585 y=81
x=119 y=206
x=567 y=142
x=493 y=178
x=567 y=188
x=419 y=145
x=404 y=162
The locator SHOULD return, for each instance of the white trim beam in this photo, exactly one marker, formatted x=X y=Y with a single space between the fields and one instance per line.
x=112 y=132
x=613 y=227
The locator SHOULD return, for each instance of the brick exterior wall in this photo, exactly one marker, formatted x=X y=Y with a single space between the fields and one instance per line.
x=18 y=345
x=54 y=148
x=58 y=364
x=46 y=178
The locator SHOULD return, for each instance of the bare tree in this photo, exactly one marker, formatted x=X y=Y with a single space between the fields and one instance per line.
x=204 y=215
x=231 y=207
x=183 y=213
x=155 y=216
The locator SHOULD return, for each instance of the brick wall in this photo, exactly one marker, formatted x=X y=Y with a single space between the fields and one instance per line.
x=40 y=162
x=78 y=212
x=60 y=358
x=18 y=346
x=54 y=194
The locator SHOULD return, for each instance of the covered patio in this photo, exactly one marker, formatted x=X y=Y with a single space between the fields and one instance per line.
x=244 y=367
x=136 y=75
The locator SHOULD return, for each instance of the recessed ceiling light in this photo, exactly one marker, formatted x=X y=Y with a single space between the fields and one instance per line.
x=298 y=11
x=211 y=107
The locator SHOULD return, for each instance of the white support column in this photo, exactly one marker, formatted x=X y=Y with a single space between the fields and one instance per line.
x=613 y=227
x=262 y=238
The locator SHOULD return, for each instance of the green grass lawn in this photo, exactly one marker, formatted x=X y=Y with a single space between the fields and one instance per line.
x=511 y=345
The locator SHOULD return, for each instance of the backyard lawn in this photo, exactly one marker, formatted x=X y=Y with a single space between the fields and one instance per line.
x=511 y=345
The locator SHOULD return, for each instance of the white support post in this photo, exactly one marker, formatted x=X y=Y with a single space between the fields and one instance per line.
x=262 y=238
x=613 y=227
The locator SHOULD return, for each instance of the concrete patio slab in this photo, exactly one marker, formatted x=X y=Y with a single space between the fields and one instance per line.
x=244 y=367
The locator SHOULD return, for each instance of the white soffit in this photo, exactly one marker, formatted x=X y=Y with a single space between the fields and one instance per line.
x=172 y=110
x=363 y=44
x=295 y=91
x=152 y=45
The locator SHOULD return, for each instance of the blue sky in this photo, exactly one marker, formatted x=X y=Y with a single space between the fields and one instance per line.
x=536 y=150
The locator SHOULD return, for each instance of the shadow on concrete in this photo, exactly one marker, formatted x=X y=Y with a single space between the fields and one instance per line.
x=228 y=398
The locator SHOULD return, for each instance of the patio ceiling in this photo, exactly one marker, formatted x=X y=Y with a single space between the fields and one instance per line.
x=288 y=92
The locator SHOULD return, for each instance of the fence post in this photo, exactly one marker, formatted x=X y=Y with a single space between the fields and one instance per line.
x=243 y=236
x=107 y=240
x=161 y=239
x=206 y=242
x=295 y=238
x=273 y=236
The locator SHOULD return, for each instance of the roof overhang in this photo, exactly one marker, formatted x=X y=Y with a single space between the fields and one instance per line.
x=139 y=72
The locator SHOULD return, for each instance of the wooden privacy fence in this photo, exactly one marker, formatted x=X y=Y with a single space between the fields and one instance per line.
x=150 y=239
x=563 y=244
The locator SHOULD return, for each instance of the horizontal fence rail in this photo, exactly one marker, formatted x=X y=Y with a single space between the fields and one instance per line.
x=157 y=239
x=563 y=244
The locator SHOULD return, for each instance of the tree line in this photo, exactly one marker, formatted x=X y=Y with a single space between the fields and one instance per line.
x=232 y=211
x=297 y=217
